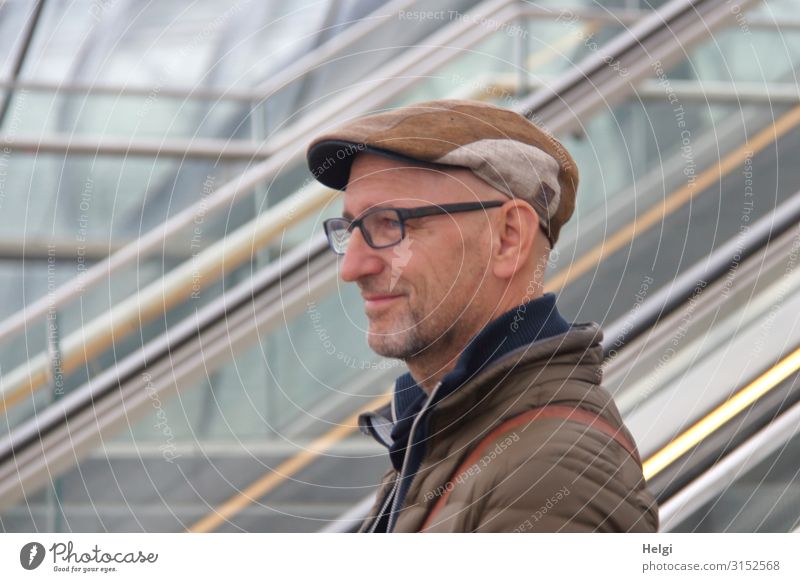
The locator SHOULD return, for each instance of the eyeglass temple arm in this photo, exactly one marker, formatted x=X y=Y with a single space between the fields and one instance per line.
x=445 y=208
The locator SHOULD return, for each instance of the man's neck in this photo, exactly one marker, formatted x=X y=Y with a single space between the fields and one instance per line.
x=429 y=367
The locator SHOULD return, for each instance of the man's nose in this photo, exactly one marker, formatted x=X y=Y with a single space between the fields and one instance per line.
x=360 y=260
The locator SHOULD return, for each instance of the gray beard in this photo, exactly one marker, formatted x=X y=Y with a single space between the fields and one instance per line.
x=412 y=339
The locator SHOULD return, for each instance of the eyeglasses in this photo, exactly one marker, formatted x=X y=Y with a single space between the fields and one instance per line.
x=385 y=227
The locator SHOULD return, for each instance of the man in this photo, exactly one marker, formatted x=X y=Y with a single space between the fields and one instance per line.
x=450 y=212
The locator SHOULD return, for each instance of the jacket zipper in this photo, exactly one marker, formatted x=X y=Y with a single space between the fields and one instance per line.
x=395 y=501
x=385 y=503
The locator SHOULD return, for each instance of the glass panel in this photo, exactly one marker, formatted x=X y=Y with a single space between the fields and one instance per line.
x=46 y=114
x=767 y=56
x=185 y=454
x=774 y=13
x=168 y=43
x=13 y=16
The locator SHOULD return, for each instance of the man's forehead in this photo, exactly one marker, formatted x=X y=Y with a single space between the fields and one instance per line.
x=377 y=181
x=354 y=207
x=380 y=181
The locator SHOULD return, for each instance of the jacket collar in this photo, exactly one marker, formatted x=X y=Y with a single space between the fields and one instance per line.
x=529 y=323
x=576 y=354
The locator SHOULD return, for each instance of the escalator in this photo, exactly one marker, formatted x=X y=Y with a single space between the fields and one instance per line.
x=710 y=370
x=314 y=465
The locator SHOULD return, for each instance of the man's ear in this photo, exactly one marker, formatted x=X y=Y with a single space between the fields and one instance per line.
x=517 y=227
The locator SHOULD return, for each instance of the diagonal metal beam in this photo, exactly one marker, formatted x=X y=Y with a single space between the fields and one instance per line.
x=613 y=71
x=213 y=149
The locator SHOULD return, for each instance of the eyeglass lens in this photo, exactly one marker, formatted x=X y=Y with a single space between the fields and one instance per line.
x=380 y=227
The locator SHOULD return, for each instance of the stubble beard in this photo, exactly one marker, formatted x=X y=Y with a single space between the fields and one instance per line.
x=411 y=333
x=400 y=338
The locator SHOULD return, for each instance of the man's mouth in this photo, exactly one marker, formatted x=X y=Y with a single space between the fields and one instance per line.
x=377 y=301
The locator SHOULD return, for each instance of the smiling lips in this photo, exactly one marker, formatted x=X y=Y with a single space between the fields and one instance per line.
x=377 y=301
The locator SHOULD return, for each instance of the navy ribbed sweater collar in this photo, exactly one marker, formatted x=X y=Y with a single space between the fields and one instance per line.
x=531 y=321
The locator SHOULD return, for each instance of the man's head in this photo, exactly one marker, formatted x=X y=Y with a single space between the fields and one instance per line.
x=433 y=281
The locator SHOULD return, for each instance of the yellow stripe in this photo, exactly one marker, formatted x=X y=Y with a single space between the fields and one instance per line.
x=9 y=400
x=283 y=471
x=676 y=200
x=722 y=414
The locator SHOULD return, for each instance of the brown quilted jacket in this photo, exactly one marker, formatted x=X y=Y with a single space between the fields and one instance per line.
x=547 y=476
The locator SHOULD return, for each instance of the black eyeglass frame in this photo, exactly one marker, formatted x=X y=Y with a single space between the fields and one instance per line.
x=405 y=214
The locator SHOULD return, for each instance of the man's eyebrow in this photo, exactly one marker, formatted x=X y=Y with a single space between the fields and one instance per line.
x=349 y=215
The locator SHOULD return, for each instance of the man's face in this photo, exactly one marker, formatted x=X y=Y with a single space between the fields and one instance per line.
x=429 y=290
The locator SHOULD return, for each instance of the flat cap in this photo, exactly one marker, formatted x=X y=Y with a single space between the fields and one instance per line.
x=501 y=147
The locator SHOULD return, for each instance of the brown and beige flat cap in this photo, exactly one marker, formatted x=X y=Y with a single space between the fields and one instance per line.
x=500 y=146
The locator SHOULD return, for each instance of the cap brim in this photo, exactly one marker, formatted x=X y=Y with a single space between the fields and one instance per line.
x=330 y=160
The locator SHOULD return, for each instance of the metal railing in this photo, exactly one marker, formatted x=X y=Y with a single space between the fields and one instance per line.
x=287 y=148
x=238 y=247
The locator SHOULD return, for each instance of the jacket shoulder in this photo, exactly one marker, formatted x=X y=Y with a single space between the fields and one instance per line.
x=551 y=475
